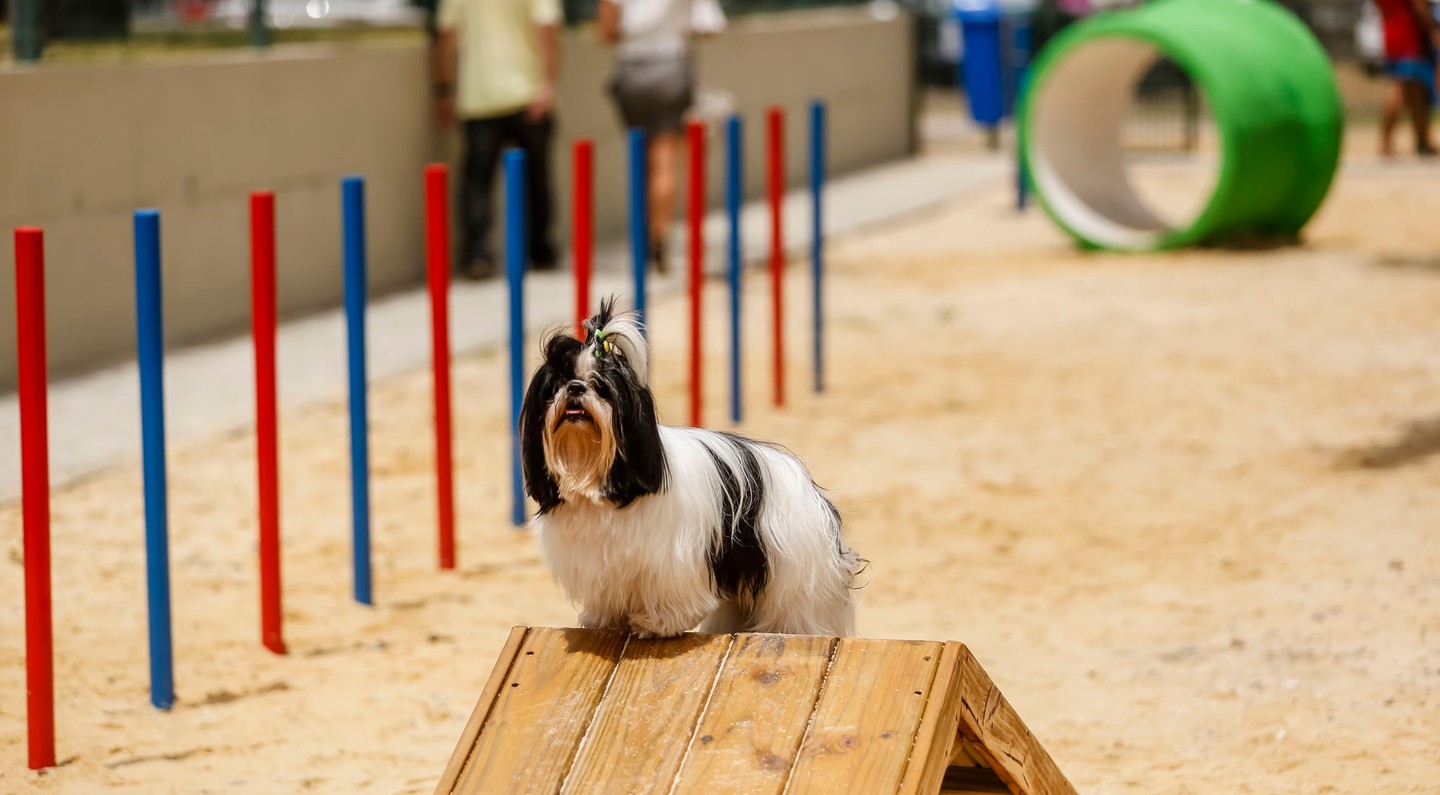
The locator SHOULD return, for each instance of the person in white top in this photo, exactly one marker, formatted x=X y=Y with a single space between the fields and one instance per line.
x=505 y=57
x=654 y=85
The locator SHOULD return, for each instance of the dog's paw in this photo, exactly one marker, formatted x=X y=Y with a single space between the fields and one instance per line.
x=646 y=626
x=590 y=620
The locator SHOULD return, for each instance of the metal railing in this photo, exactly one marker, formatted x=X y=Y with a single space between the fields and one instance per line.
x=1165 y=112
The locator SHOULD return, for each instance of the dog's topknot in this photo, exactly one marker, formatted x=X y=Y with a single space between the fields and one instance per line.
x=609 y=332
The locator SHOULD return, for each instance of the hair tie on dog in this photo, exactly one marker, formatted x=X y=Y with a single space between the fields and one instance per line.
x=603 y=347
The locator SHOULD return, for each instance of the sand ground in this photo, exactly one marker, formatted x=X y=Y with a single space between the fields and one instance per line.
x=1184 y=508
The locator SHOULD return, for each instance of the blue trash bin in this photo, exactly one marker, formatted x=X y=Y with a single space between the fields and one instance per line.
x=982 y=70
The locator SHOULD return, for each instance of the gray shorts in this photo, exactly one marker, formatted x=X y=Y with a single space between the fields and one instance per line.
x=653 y=93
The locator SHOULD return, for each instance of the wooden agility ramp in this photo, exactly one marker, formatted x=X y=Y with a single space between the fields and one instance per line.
x=573 y=710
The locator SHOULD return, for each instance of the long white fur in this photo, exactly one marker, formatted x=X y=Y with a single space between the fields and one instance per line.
x=646 y=567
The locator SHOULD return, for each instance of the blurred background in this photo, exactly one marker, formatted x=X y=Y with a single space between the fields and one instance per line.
x=198 y=102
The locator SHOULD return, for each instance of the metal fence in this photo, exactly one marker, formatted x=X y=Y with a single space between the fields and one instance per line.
x=1165 y=113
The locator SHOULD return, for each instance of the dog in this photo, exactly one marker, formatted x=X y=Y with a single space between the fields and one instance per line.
x=655 y=529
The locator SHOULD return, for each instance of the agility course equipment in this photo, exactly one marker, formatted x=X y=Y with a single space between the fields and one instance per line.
x=775 y=160
x=817 y=236
x=575 y=710
x=352 y=191
x=150 y=341
x=515 y=258
x=1271 y=91
x=695 y=237
x=35 y=494
x=437 y=271
x=33 y=383
x=734 y=195
x=639 y=220
x=582 y=234
x=267 y=446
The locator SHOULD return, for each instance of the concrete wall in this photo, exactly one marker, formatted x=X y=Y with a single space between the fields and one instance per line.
x=81 y=147
x=861 y=67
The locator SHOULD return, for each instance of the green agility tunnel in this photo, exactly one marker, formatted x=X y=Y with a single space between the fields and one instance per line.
x=1271 y=93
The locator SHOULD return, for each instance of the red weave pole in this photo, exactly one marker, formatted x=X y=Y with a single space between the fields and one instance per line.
x=267 y=446
x=583 y=223
x=696 y=133
x=437 y=267
x=35 y=493
x=775 y=148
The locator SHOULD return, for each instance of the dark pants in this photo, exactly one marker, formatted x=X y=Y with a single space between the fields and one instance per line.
x=485 y=139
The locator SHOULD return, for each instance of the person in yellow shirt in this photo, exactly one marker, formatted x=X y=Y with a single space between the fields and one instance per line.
x=496 y=65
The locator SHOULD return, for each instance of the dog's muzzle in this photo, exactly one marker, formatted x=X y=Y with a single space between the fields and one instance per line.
x=573 y=409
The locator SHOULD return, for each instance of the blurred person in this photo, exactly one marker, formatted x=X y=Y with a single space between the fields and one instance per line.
x=654 y=86
x=1411 y=42
x=496 y=66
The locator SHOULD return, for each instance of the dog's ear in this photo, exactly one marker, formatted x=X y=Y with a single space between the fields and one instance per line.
x=557 y=369
x=639 y=467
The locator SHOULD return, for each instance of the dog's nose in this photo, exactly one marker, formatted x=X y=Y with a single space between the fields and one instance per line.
x=576 y=388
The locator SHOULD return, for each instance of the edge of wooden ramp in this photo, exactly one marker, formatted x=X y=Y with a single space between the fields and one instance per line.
x=575 y=710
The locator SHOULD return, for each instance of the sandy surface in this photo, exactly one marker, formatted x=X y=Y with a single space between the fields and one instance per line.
x=1185 y=509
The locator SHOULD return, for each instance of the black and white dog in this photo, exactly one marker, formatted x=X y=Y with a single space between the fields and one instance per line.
x=655 y=529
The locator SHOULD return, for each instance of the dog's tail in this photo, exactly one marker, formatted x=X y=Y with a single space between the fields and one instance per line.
x=623 y=332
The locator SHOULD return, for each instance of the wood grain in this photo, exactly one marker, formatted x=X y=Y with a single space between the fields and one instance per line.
x=642 y=728
x=865 y=722
x=939 y=727
x=482 y=710
x=541 y=711
x=997 y=733
x=587 y=711
x=761 y=704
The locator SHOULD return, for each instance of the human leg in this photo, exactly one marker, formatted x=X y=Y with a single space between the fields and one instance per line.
x=534 y=137
x=1417 y=102
x=483 y=139
x=664 y=155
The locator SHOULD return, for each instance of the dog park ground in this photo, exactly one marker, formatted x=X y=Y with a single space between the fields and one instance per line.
x=1184 y=508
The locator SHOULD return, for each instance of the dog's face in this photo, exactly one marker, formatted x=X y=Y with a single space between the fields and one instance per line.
x=587 y=426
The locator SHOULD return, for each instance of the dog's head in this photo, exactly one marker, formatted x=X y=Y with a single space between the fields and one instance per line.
x=587 y=427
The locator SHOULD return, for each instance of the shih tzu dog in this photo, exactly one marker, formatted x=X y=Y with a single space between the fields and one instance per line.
x=655 y=529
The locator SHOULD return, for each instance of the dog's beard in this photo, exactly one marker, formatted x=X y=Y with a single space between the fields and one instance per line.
x=579 y=448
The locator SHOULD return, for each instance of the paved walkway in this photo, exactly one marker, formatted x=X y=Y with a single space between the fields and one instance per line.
x=94 y=418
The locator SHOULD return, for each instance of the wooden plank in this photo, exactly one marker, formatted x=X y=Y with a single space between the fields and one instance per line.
x=998 y=734
x=865 y=722
x=965 y=756
x=759 y=709
x=542 y=711
x=642 y=728
x=939 y=727
x=481 y=711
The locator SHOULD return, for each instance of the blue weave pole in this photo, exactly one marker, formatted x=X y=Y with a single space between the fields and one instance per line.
x=734 y=194
x=515 y=256
x=639 y=219
x=817 y=233
x=151 y=340
x=352 y=193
